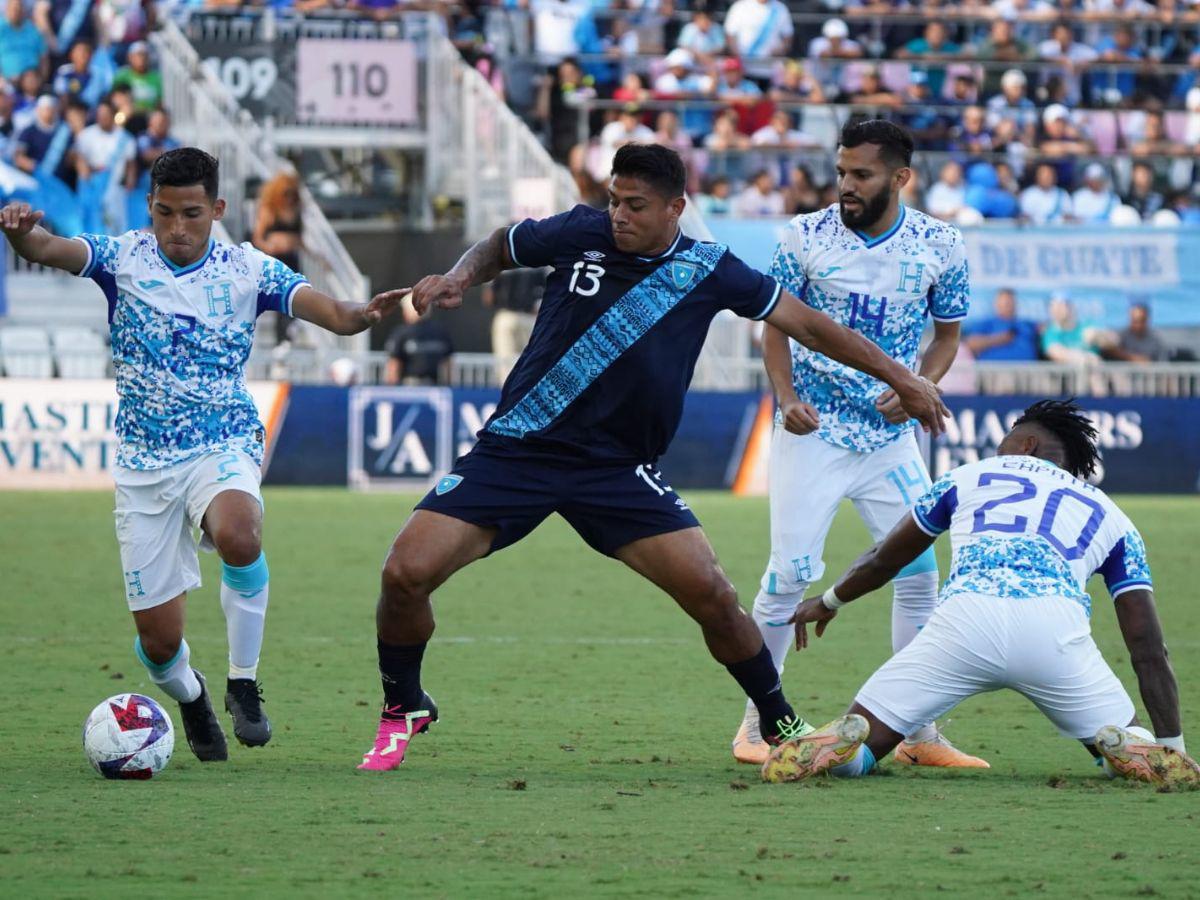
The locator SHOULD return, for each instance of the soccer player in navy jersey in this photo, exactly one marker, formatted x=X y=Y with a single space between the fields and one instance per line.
x=585 y=414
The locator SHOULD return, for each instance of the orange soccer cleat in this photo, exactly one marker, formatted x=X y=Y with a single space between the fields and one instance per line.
x=938 y=752
x=1138 y=759
x=748 y=744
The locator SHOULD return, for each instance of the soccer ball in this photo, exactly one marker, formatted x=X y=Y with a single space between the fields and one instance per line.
x=128 y=736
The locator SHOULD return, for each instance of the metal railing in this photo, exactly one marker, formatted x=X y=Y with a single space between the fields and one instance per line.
x=206 y=115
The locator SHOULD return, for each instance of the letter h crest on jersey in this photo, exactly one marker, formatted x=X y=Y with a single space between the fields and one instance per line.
x=224 y=299
x=912 y=277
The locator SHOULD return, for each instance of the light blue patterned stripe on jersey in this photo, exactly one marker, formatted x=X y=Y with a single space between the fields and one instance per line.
x=621 y=325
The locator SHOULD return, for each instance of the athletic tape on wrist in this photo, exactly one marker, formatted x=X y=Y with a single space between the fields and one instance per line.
x=831 y=601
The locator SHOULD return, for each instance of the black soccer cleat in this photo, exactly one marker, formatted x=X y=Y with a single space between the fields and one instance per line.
x=243 y=701
x=204 y=734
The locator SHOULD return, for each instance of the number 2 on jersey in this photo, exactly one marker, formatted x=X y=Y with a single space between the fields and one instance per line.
x=1018 y=524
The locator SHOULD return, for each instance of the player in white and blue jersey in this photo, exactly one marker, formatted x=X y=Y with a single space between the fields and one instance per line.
x=1027 y=533
x=181 y=311
x=584 y=415
x=884 y=271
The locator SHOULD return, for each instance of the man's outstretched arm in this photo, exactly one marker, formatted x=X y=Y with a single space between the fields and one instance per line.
x=481 y=263
x=871 y=571
x=919 y=397
x=32 y=242
x=1138 y=618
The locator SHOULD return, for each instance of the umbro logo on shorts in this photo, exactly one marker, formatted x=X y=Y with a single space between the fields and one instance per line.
x=447 y=483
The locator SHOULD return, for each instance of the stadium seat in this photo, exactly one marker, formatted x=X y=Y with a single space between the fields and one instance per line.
x=25 y=352
x=1101 y=124
x=79 y=353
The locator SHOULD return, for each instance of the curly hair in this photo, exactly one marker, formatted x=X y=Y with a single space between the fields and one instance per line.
x=1066 y=421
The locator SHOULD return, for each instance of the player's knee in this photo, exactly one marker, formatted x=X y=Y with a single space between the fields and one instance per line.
x=158 y=648
x=716 y=599
x=238 y=545
x=404 y=578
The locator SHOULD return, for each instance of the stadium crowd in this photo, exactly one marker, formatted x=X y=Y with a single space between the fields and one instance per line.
x=1024 y=109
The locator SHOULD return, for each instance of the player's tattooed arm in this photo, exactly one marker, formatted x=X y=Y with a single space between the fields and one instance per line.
x=1138 y=618
x=481 y=263
x=871 y=571
x=798 y=416
x=19 y=222
x=935 y=363
x=918 y=396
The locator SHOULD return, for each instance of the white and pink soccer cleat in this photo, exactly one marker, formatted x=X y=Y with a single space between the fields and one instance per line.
x=391 y=741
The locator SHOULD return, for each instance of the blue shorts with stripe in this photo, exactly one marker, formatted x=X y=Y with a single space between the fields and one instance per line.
x=608 y=505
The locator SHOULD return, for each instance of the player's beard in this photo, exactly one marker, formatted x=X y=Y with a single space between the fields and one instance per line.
x=869 y=213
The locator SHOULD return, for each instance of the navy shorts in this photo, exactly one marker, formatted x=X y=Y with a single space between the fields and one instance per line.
x=608 y=505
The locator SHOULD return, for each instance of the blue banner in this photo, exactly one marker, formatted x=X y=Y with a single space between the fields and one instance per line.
x=1102 y=270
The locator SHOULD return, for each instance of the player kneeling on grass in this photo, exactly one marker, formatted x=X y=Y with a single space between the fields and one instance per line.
x=181 y=310
x=1027 y=533
x=585 y=414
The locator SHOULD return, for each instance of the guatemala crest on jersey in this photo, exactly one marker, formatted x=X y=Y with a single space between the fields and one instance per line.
x=447 y=483
x=682 y=273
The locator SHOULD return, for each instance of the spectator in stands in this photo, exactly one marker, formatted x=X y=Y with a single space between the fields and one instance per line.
x=793 y=84
x=1142 y=196
x=986 y=194
x=21 y=44
x=555 y=28
x=834 y=44
x=1067 y=340
x=933 y=44
x=127 y=115
x=702 y=36
x=592 y=191
x=72 y=77
x=1095 y=200
x=947 y=196
x=715 y=201
x=558 y=102
x=801 y=195
x=1119 y=8
x=1012 y=104
x=1191 y=132
x=1154 y=140
x=419 y=350
x=29 y=87
x=678 y=80
x=779 y=132
x=1115 y=85
x=515 y=296
x=379 y=10
x=972 y=137
x=731 y=83
x=1138 y=342
x=1003 y=336
x=929 y=126
x=724 y=145
x=6 y=124
x=63 y=22
x=627 y=129
x=872 y=92
x=1072 y=57
x=123 y=23
x=1044 y=202
x=144 y=83
x=1002 y=45
x=632 y=89
x=105 y=157
x=34 y=143
x=1059 y=136
x=151 y=144
x=759 y=198
x=278 y=228
x=757 y=30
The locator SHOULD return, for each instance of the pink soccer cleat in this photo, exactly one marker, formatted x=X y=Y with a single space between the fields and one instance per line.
x=391 y=741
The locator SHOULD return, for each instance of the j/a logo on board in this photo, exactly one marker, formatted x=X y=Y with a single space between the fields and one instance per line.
x=447 y=483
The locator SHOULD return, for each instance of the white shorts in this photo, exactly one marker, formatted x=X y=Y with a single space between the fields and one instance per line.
x=808 y=479
x=157 y=510
x=1041 y=647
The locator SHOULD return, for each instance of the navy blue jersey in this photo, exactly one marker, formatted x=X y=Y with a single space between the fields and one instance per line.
x=616 y=338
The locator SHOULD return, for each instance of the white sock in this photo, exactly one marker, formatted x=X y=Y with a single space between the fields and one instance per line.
x=771 y=614
x=175 y=677
x=244 y=592
x=914 y=599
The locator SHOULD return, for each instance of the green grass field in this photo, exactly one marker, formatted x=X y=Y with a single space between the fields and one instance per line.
x=584 y=745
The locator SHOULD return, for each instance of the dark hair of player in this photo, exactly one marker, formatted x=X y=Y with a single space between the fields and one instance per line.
x=895 y=144
x=1066 y=422
x=658 y=166
x=184 y=167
